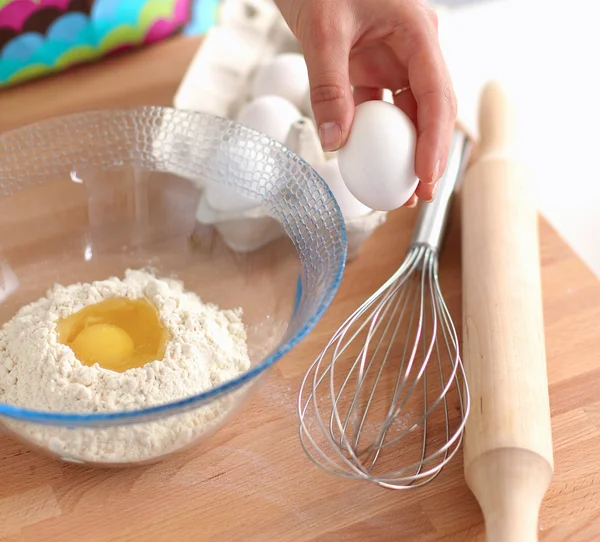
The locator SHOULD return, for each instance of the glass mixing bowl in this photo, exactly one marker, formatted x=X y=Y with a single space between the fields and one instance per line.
x=86 y=196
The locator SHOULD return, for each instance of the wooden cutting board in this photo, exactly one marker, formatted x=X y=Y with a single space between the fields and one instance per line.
x=251 y=481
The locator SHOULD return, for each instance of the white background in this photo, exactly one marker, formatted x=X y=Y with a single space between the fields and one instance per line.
x=547 y=54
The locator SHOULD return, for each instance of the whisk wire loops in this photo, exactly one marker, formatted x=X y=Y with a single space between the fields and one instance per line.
x=386 y=399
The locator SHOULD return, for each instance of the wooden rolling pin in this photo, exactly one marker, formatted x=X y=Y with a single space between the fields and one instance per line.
x=508 y=458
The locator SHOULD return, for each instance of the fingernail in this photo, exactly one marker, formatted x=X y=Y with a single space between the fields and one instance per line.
x=330 y=134
x=413 y=203
x=433 y=191
x=436 y=173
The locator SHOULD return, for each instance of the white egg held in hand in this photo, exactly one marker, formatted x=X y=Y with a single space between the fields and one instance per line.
x=271 y=115
x=349 y=205
x=285 y=75
x=377 y=161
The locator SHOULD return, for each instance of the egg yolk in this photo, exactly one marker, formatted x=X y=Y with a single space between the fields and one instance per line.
x=118 y=334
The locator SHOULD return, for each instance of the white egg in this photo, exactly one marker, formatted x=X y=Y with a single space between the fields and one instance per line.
x=285 y=75
x=377 y=161
x=224 y=199
x=349 y=205
x=271 y=115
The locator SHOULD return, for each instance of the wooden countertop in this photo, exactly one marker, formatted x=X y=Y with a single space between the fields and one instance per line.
x=254 y=483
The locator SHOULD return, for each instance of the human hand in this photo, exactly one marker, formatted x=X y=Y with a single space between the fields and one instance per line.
x=375 y=45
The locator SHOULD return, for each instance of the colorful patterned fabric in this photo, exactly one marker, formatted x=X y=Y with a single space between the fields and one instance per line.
x=38 y=37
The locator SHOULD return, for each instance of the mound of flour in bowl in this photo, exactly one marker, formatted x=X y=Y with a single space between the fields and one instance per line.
x=207 y=348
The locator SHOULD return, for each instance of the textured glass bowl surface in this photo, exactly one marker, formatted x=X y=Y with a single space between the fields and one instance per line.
x=89 y=195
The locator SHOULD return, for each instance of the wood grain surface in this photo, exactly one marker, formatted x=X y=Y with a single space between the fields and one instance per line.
x=251 y=481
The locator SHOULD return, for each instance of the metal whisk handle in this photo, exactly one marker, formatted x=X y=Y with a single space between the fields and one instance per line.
x=433 y=217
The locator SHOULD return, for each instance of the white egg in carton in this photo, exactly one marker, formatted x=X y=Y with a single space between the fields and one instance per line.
x=250 y=69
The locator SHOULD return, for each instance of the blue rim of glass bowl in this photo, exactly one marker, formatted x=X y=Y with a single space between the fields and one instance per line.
x=138 y=416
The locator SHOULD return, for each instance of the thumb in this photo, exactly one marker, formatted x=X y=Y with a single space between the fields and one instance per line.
x=327 y=60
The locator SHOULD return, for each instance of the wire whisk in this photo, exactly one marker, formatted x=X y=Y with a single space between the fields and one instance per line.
x=387 y=400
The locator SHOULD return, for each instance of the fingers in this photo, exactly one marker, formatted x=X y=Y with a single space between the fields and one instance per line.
x=366 y=94
x=433 y=92
x=327 y=50
x=426 y=191
x=412 y=202
x=407 y=103
x=436 y=115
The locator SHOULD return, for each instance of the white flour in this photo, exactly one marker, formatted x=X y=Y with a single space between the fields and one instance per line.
x=207 y=347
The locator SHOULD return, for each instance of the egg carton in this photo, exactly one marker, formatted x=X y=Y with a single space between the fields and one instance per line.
x=248 y=34
x=219 y=80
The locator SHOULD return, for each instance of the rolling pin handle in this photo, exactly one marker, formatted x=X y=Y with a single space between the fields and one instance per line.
x=509 y=485
x=496 y=121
